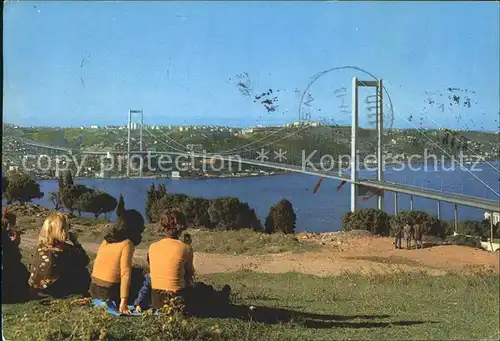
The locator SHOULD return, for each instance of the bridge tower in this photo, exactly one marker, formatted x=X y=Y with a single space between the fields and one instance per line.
x=129 y=129
x=377 y=84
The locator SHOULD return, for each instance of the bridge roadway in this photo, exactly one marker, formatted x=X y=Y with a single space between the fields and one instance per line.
x=459 y=199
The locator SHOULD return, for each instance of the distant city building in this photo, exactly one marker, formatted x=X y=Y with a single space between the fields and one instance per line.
x=102 y=174
x=298 y=124
x=194 y=147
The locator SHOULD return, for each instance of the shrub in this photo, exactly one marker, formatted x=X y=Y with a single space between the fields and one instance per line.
x=474 y=228
x=448 y=227
x=166 y=202
x=486 y=229
x=281 y=218
x=370 y=219
x=431 y=225
x=247 y=219
x=153 y=195
x=231 y=213
x=466 y=241
x=21 y=187
x=225 y=212
x=196 y=211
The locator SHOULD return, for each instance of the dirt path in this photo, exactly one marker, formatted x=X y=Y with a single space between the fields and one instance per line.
x=365 y=254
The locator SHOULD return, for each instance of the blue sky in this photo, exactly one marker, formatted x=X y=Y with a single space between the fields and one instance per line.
x=85 y=63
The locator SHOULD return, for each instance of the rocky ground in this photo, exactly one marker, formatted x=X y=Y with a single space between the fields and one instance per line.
x=28 y=210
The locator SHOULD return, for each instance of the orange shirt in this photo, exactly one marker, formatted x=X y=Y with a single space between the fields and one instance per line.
x=113 y=264
x=170 y=262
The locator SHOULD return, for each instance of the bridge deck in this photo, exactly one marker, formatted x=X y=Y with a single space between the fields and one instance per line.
x=463 y=200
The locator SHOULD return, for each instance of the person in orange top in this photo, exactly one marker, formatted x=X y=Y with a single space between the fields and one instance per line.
x=170 y=260
x=172 y=271
x=112 y=271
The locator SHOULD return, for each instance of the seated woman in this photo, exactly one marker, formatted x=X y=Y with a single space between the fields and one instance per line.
x=143 y=300
x=60 y=268
x=14 y=273
x=112 y=271
x=171 y=266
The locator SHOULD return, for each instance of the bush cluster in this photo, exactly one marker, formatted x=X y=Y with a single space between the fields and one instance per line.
x=222 y=213
x=431 y=225
x=379 y=222
x=82 y=198
x=369 y=219
x=20 y=187
x=281 y=218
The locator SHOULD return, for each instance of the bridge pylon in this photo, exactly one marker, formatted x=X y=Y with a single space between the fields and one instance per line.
x=129 y=128
x=377 y=84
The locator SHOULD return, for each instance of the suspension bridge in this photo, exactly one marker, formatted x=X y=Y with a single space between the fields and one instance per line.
x=245 y=154
x=412 y=191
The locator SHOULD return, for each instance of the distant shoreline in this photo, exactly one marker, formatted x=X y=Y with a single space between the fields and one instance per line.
x=246 y=175
x=170 y=178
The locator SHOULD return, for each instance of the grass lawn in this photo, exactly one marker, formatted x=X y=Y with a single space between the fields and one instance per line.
x=293 y=306
x=242 y=242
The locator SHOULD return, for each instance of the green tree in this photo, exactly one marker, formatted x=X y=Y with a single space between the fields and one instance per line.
x=231 y=213
x=281 y=218
x=150 y=200
x=153 y=195
x=68 y=179
x=5 y=183
x=120 y=207
x=22 y=188
x=97 y=203
x=56 y=200
x=168 y=201
x=431 y=225
x=71 y=195
x=196 y=211
x=369 y=219
x=162 y=191
x=60 y=186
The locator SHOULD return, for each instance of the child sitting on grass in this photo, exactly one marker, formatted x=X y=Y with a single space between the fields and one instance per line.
x=143 y=300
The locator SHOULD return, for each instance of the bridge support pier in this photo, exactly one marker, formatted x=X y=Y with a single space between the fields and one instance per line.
x=395 y=203
x=128 y=141
x=411 y=202
x=439 y=209
x=380 y=136
x=354 y=146
x=491 y=227
x=377 y=84
x=455 y=211
x=129 y=156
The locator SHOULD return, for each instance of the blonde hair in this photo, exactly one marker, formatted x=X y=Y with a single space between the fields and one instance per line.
x=55 y=228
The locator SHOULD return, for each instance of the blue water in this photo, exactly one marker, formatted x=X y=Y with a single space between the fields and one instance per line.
x=320 y=212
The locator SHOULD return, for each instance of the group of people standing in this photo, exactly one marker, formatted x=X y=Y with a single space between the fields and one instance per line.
x=60 y=267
